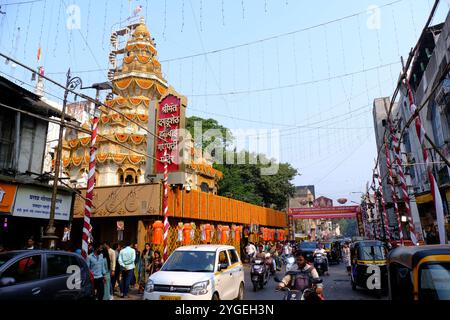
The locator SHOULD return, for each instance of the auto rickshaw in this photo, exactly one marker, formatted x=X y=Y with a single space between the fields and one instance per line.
x=419 y=273
x=336 y=253
x=368 y=260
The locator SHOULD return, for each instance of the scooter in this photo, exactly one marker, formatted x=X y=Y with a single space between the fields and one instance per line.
x=259 y=273
x=320 y=263
x=308 y=294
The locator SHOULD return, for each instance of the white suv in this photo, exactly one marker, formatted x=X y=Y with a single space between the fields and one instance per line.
x=202 y=272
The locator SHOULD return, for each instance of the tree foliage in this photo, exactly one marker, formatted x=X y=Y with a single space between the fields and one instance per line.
x=245 y=182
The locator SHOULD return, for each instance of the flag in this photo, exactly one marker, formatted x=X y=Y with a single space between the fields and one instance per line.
x=39 y=54
x=137 y=10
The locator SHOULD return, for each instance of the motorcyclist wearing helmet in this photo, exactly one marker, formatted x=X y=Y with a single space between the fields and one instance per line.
x=307 y=272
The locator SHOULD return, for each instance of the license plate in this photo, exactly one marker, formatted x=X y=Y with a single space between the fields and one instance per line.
x=169 y=298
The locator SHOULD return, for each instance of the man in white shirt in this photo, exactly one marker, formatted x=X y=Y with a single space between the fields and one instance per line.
x=251 y=250
x=127 y=256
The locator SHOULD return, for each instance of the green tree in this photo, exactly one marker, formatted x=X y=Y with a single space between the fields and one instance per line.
x=245 y=182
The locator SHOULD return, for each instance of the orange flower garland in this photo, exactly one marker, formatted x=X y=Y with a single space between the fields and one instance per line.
x=121 y=137
x=137 y=139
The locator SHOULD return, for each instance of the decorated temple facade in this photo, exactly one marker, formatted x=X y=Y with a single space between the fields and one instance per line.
x=131 y=141
x=138 y=84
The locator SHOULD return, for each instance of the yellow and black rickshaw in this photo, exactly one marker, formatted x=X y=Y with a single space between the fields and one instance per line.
x=369 y=266
x=419 y=273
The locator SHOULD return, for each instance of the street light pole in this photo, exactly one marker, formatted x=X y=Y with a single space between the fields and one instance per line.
x=50 y=236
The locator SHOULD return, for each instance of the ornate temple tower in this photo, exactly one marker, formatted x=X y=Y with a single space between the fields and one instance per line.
x=137 y=86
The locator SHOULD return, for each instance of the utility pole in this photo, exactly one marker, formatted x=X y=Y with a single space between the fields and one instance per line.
x=50 y=236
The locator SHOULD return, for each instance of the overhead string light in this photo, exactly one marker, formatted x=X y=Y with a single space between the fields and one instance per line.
x=182 y=15
x=105 y=19
x=88 y=18
x=243 y=9
x=42 y=30
x=49 y=30
x=265 y=6
x=380 y=60
x=16 y=35
x=55 y=44
x=201 y=15
x=165 y=19
x=223 y=12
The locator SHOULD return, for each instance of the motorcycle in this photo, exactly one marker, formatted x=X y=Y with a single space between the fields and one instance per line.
x=308 y=294
x=259 y=273
x=320 y=263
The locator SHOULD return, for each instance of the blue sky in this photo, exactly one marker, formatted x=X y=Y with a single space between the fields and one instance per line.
x=314 y=80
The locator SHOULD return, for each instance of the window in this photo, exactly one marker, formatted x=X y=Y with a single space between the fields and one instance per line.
x=233 y=256
x=57 y=265
x=204 y=187
x=191 y=261
x=223 y=259
x=7 y=126
x=435 y=281
x=24 y=270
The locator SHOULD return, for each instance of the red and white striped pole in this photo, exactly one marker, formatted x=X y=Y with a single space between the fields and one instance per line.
x=393 y=191
x=166 y=204
x=387 y=231
x=433 y=184
x=90 y=187
x=398 y=160
x=377 y=227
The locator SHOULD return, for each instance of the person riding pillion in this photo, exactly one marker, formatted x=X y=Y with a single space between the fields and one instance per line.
x=303 y=277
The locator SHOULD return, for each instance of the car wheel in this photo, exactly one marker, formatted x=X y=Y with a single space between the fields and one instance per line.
x=241 y=292
x=215 y=296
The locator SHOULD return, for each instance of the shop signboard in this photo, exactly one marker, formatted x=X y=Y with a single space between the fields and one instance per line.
x=34 y=202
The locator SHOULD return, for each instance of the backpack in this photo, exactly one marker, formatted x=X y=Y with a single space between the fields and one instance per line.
x=302 y=280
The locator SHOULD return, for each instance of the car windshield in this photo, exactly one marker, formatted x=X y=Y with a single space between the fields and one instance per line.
x=5 y=257
x=435 y=281
x=190 y=261
x=308 y=245
x=372 y=253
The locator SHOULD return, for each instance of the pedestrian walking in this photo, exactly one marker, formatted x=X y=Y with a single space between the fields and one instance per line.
x=146 y=261
x=107 y=284
x=115 y=280
x=346 y=257
x=127 y=256
x=97 y=265
x=156 y=263
x=137 y=269
x=111 y=266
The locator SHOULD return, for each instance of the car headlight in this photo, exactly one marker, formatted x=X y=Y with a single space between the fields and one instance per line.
x=200 y=288
x=150 y=286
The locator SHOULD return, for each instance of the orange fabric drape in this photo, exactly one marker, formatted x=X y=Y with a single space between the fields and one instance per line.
x=224 y=234
x=157 y=232
x=207 y=233
x=187 y=234
x=238 y=234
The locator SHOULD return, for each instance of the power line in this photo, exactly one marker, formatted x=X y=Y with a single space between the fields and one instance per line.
x=19 y=3
x=77 y=128
x=293 y=85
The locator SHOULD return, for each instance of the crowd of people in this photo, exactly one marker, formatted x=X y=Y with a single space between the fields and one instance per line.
x=119 y=268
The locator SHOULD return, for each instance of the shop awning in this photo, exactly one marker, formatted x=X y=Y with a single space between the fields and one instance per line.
x=425 y=198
